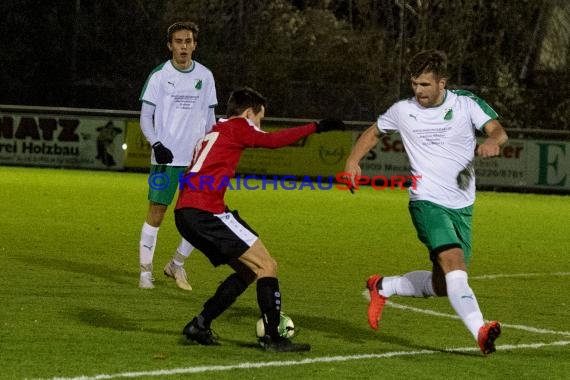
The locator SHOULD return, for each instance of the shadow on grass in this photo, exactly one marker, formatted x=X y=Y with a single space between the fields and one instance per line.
x=114 y=321
x=99 y=270
x=332 y=328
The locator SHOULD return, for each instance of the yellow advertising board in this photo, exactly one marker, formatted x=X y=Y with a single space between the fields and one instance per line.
x=318 y=154
x=137 y=154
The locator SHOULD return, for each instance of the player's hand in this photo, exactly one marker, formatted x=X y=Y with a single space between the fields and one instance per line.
x=352 y=170
x=162 y=154
x=349 y=183
x=488 y=149
x=329 y=124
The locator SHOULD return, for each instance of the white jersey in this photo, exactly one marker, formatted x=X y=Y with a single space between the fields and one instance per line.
x=440 y=143
x=184 y=108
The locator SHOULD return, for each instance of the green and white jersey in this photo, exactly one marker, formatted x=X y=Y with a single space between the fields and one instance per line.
x=184 y=104
x=440 y=143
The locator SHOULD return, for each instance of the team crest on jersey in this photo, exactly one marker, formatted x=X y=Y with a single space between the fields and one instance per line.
x=448 y=115
x=198 y=84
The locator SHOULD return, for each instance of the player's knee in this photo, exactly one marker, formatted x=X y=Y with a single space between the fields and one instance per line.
x=268 y=268
x=272 y=265
x=450 y=258
x=156 y=215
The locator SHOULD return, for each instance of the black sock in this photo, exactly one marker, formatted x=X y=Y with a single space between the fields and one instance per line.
x=225 y=296
x=269 y=301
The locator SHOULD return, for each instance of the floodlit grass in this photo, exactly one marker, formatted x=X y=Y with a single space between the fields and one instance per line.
x=70 y=305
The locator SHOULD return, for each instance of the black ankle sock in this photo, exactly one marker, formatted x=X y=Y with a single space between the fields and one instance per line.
x=269 y=301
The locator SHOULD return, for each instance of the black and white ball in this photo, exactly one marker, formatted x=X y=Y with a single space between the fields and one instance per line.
x=286 y=327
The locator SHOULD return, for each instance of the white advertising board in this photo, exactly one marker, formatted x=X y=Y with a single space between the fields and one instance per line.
x=71 y=142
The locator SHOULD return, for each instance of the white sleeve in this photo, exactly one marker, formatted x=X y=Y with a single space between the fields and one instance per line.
x=147 y=123
x=480 y=112
x=210 y=119
x=213 y=102
x=388 y=121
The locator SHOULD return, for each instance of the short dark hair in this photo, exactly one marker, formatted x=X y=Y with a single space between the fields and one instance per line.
x=244 y=98
x=182 y=25
x=428 y=61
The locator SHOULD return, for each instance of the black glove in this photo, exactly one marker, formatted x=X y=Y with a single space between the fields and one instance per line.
x=327 y=125
x=162 y=154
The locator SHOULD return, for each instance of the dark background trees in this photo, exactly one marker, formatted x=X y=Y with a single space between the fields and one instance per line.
x=310 y=57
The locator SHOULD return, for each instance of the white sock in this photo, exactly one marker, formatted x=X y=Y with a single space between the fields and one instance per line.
x=147 y=244
x=463 y=301
x=182 y=252
x=412 y=284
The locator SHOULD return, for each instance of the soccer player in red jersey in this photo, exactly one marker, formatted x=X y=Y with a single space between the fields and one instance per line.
x=203 y=218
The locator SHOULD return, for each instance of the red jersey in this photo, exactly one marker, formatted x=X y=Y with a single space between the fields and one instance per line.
x=217 y=155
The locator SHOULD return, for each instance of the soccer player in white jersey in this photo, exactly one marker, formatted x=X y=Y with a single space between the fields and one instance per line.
x=178 y=104
x=438 y=131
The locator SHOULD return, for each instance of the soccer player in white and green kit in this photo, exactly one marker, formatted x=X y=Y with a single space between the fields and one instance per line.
x=178 y=109
x=437 y=127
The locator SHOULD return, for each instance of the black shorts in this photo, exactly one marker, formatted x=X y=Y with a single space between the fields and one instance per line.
x=220 y=237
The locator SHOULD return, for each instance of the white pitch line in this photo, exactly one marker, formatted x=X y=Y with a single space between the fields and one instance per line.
x=513 y=275
x=492 y=277
x=330 y=359
x=453 y=316
x=289 y=363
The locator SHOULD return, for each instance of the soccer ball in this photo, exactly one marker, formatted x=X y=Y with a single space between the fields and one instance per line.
x=286 y=327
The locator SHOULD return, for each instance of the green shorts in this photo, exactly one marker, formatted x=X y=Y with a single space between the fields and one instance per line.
x=163 y=181
x=441 y=228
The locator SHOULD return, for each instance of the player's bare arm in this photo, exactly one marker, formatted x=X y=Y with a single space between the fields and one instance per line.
x=365 y=142
x=497 y=137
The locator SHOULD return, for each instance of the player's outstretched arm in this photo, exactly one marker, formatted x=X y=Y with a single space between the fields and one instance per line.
x=497 y=137
x=363 y=145
x=288 y=136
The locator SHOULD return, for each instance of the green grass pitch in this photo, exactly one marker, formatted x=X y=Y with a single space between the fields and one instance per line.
x=70 y=306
